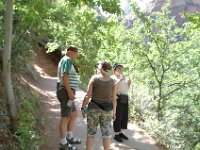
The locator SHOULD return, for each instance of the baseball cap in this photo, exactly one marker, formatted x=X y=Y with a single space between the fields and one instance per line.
x=116 y=65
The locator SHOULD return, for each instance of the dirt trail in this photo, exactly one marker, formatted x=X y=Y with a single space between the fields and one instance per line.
x=45 y=86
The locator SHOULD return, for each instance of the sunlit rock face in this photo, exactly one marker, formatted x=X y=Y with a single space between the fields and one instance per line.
x=177 y=7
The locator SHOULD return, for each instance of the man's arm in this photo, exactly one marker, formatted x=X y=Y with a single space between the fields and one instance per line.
x=70 y=93
x=86 y=98
x=88 y=95
x=129 y=83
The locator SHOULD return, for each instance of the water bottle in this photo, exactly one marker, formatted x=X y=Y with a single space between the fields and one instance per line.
x=86 y=110
x=70 y=102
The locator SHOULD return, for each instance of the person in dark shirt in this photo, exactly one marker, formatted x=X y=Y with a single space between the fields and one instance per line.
x=101 y=90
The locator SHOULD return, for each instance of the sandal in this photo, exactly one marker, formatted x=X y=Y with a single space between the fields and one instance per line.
x=71 y=147
x=74 y=140
x=67 y=147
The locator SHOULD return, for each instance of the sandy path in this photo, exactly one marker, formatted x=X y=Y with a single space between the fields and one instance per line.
x=139 y=140
x=46 y=85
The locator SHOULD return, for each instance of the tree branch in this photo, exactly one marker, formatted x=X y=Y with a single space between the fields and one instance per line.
x=177 y=83
x=20 y=37
x=153 y=68
x=178 y=88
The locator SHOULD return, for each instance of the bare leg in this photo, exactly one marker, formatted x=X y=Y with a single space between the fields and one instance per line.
x=72 y=121
x=62 y=126
x=89 y=143
x=106 y=143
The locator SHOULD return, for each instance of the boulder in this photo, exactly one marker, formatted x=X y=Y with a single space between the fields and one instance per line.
x=177 y=7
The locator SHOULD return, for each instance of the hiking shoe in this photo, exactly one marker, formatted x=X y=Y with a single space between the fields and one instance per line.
x=123 y=136
x=67 y=147
x=118 y=138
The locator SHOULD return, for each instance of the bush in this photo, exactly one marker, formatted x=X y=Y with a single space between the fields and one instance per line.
x=26 y=134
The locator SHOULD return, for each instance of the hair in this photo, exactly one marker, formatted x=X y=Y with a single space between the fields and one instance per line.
x=115 y=66
x=71 y=48
x=105 y=65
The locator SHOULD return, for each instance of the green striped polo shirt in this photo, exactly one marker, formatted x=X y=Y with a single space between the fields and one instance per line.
x=66 y=66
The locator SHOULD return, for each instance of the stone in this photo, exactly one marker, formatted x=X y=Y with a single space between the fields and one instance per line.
x=196 y=2
x=192 y=9
x=177 y=7
x=178 y=3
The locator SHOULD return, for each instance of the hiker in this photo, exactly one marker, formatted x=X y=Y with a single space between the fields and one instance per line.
x=122 y=87
x=102 y=105
x=66 y=88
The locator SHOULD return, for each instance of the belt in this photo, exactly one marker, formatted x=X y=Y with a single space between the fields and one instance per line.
x=122 y=94
x=62 y=86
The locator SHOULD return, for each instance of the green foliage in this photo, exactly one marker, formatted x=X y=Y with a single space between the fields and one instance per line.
x=160 y=58
x=60 y=23
x=197 y=146
x=194 y=18
x=1 y=28
x=84 y=27
x=110 y=6
x=27 y=23
x=26 y=134
x=164 y=62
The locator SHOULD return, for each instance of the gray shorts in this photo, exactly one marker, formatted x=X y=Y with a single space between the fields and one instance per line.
x=63 y=98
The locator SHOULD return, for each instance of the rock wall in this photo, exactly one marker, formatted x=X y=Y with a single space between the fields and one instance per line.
x=177 y=7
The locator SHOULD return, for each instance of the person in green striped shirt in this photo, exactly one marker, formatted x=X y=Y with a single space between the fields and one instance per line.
x=66 y=86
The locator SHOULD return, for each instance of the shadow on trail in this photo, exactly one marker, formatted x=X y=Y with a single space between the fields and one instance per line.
x=46 y=87
x=138 y=140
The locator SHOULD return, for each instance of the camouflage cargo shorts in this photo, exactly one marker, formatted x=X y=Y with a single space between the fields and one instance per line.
x=98 y=116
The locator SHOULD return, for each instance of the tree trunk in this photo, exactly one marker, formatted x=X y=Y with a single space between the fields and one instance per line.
x=159 y=111
x=8 y=87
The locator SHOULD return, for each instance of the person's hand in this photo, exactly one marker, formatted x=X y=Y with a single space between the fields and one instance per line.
x=113 y=117
x=129 y=82
x=71 y=95
x=83 y=112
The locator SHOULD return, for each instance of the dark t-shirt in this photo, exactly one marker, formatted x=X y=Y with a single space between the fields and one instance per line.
x=102 y=90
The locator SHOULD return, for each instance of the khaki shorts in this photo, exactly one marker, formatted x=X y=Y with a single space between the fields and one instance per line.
x=98 y=116
x=63 y=98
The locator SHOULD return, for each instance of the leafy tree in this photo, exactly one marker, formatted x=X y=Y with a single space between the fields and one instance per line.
x=161 y=46
x=165 y=59
x=110 y=6
x=31 y=20
x=87 y=29
x=194 y=18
